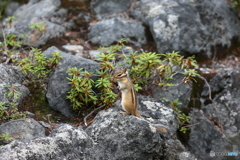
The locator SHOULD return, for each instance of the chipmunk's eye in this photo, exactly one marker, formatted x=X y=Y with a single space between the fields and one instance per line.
x=119 y=75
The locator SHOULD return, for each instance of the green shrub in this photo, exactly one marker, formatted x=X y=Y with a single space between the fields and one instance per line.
x=9 y=111
x=82 y=85
x=81 y=88
x=37 y=65
x=13 y=94
x=12 y=43
x=183 y=118
x=146 y=69
x=38 y=27
x=5 y=138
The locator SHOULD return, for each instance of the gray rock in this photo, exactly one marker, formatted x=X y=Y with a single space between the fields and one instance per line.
x=219 y=120
x=65 y=142
x=181 y=92
x=158 y=113
x=12 y=76
x=103 y=8
x=221 y=81
x=111 y=30
x=44 y=12
x=94 y=54
x=186 y=156
x=207 y=137
x=73 y=48
x=119 y=136
x=11 y=8
x=58 y=83
x=188 y=26
x=111 y=136
x=22 y=129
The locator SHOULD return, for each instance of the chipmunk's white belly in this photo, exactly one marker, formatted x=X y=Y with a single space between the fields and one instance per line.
x=123 y=97
x=123 y=91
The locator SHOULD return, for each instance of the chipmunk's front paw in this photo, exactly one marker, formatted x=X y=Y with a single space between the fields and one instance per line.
x=120 y=88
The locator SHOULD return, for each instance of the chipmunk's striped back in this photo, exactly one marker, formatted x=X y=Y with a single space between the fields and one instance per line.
x=129 y=97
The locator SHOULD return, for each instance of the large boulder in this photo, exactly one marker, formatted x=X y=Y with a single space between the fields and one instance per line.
x=111 y=30
x=104 y=8
x=188 y=26
x=11 y=80
x=111 y=136
x=58 y=84
x=215 y=128
x=65 y=142
x=120 y=136
x=11 y=8
x=22 y=129
x=180 y=91
x=115 y=24
x=44 y=14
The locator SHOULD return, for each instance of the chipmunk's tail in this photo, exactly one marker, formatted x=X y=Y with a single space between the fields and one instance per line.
x=161 y=129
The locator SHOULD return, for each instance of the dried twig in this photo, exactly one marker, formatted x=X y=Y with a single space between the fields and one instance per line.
x=85 y=118
x=7 y=61
x=209 y=88
x=190 y=125
x=5 y=43
x=4 y=37
x=214 y=122
x=132 y=5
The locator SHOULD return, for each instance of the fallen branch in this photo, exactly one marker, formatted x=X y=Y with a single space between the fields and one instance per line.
x=85 y=118
x=209 y=88
x=190 y=125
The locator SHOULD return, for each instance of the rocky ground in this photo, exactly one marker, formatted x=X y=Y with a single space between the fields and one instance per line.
x=191 y=27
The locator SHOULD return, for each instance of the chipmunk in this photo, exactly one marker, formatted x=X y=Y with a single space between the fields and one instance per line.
x=129 y=97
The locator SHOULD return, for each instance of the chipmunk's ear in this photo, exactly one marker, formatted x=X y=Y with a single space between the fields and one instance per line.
x=125 y=70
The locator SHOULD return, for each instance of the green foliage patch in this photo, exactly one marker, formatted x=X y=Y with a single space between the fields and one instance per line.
x=9 y=111
x=36 y=65
x=5 y=138
x=146 y=69
x=183 y=118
